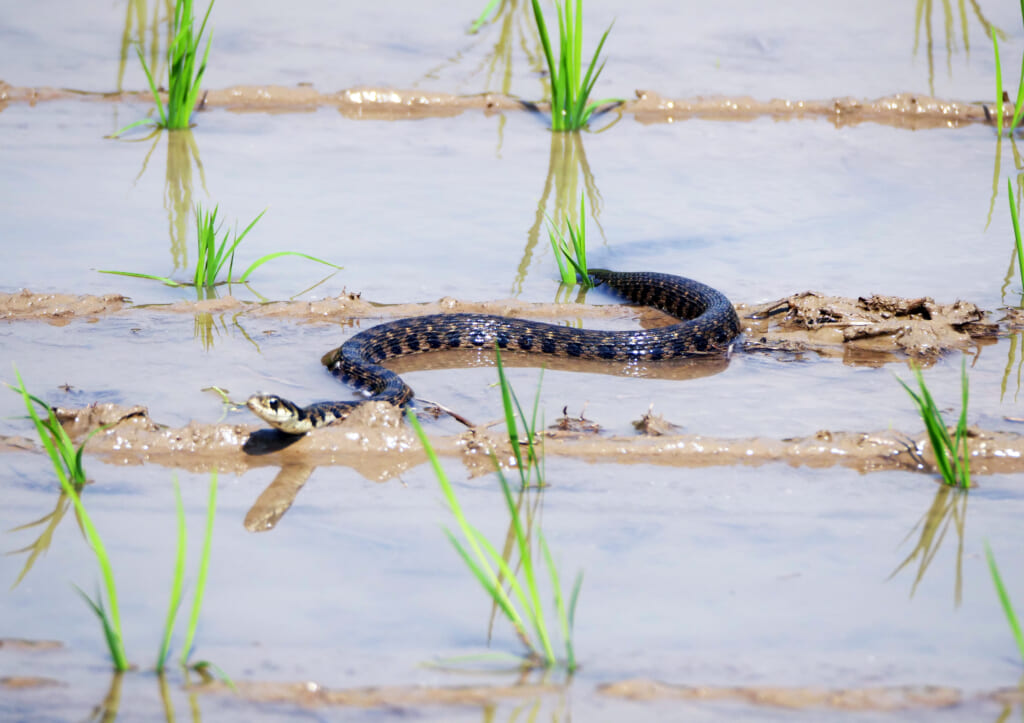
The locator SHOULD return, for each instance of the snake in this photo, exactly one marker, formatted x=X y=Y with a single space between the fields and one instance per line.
x=707 y=325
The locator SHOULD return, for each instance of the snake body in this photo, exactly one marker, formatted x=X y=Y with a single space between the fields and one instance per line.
x=708 y=324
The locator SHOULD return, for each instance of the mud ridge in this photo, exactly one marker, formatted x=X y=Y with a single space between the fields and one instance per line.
x=869 y=330
x=879 y=698
x=909 y=110
x=375 y=442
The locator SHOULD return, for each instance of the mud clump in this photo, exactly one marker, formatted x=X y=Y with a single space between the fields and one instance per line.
x=58 y=308
x=653 y=424
x=868 y=330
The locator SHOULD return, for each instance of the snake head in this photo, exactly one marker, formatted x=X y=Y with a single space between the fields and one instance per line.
x=277 y=412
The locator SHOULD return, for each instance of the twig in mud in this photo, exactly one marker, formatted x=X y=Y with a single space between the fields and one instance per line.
x=451 y=413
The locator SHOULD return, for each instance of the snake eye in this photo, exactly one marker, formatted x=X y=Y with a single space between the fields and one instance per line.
x=274 y=403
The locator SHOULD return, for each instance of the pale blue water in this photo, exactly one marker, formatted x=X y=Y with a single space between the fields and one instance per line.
x=721 y=575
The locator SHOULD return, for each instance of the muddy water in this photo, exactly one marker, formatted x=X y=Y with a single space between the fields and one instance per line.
x=753 y=588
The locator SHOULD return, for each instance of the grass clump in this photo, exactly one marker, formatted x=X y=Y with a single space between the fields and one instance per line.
x=212 y=257
x=571 y=254
x=952 y=456
x=67 y=464
x=521 y=603
x=183 y=77
x=178 y=581
x=1004 y=599
x=1018 y=108
x=570 y=87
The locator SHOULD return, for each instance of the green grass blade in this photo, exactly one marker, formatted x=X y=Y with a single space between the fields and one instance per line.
x=446 y=486
x=1004 y=599
x=999 y=84
x=136 y=124
x=561 y=256
x=556 y=587
x=534 y=610
x=70 y=489
x=152 y=89
x=1019 y=105
x=485 y=576
x=230 y=253
x=270 y=257
x=109 y=634
x=951 y=456
x=41 y=429
x=201 y=666
x=482 y=18
x=542 y=30
x=506 y=404
x=162 y=279
x=575 y=42
x=962 y=452
x=177 y=582
x=204 y=566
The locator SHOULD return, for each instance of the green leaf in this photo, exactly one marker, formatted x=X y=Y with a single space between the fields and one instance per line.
x=1004 y=599
x=151 y=277
x=204 y=566
x=177 y=582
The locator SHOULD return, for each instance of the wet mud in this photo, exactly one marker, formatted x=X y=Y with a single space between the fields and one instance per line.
x=887 y=327
x=903 y=110
x=871 y=331
x=375 y=442
x=880 y=698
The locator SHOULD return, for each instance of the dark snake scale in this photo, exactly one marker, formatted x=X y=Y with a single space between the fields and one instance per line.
x=709 y=323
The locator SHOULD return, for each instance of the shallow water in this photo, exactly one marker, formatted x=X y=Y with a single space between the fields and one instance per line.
x=797 y=49
x=726 y=576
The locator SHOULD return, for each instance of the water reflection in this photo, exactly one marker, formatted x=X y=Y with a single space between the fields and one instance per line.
x=182 y=155
x=142 y=30
x=511 y=27
x=949 y=507
x=277 y=498
x=528 y=508
x=997 y=180
x=1016 y=344
x=531 y=709
x=923 y=13
x=109 y=707
x=42 y=543
x=567 y=164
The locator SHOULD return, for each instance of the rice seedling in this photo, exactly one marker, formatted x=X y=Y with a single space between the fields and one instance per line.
x=571 y=255
x=1004 y=599
x=1018 y=108
x=570 y=89
x=178 y=581
x=521 y=603
x=952 y=455
x=67 y=464
x=212 y=257
x=183 y=77
x=482 y=17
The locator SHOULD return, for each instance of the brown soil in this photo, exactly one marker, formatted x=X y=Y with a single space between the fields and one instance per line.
x=374 y=441
x=868 y=330
x=887 y=698
x=902 y=109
